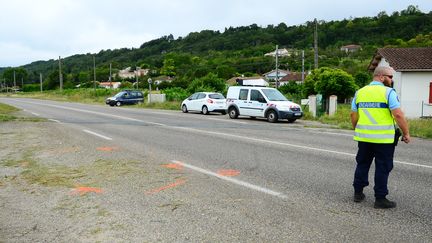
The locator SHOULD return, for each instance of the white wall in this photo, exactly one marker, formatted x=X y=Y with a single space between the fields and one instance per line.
x=414 y=90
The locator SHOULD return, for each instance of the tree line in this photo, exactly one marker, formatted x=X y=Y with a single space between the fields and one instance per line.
x=192 y=61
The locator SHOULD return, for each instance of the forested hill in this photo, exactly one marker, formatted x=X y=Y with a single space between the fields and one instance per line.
x=243 y=48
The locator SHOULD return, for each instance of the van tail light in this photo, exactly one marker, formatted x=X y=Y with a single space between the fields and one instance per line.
x=210 y=101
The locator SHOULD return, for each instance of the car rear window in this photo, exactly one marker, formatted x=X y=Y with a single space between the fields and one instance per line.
x=216 y=96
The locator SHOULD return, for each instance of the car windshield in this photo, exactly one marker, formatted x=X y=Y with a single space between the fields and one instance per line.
x=216 y=96
x=119 y=94
x=274 y=95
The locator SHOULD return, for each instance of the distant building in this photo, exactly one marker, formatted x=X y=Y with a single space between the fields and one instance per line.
x=254 y=81
x=412 y=79
x=110 y=85
x=272 y=74
x=281 y=53
x=292 y=76
x=127 y=73
x=350 y=48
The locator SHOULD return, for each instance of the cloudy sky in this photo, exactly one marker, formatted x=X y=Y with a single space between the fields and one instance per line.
x=33 y=30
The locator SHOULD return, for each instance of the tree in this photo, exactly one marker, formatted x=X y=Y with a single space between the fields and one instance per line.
x=311 y=80
x=168 y=68
x=362 y=78
x=335 y=82
x=20 y=74
x=211 y=82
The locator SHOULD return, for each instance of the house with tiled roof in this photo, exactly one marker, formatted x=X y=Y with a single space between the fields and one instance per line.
x=412 y=78
x=350 y=48
x=293 y=76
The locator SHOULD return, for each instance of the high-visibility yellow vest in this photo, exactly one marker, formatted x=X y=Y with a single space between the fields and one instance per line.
x=376 y=123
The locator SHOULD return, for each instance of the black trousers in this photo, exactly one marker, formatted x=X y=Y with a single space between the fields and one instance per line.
x=383 y=154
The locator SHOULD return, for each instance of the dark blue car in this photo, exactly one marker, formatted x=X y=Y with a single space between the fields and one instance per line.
x=126 y=97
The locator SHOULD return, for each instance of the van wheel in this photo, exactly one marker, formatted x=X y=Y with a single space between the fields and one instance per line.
x=233 y=113
x=184 y=109
x=118 y=103
x=272 y=116
x=204 y=110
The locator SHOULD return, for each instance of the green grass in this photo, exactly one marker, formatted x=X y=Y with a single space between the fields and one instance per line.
x=340 y=119
x=421 y=128
x=101 y=171
x=7 y=113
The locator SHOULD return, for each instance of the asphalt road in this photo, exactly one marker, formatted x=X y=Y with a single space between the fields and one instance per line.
x=246 y=179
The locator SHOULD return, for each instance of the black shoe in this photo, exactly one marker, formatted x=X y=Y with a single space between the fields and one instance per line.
x=384 y=203
x=359 y=196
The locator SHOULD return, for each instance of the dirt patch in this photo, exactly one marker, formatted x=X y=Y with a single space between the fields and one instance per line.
x=59 y=187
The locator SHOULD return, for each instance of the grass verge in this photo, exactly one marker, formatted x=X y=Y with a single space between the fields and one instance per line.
x=7 y=113
x=96 y=174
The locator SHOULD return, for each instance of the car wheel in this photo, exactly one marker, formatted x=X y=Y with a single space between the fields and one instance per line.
x=205 y=110
x=233 y=113
x=291 y=120
x=272 y=116
x=118 y=103
x=184 y=109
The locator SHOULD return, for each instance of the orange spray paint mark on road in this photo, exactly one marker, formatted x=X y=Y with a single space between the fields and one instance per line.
x=228 y=172
x=82 y=190
x=156 y=190
x=107 y=149
x=173 y=166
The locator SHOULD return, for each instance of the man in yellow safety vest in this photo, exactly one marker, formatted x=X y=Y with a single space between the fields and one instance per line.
x=375 y=110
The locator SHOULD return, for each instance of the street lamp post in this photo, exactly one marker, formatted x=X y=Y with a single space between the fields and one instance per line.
x=150 y=83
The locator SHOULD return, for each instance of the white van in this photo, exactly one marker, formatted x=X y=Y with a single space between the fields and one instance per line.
x=261 y=102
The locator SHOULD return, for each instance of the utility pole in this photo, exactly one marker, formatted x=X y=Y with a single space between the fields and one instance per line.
x=40 y=80
x=277 y=65
x=14 y=80
x=136 y=76
x=302 y=66
x=316 y=44
x=110 y=77
x=94 y=74
x=60 y=75
x=22 y=83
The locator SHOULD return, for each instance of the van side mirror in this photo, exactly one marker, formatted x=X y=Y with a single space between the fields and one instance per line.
x=261 y=100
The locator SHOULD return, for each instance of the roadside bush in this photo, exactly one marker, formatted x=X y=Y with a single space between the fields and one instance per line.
x=175 y=94
x=31 y=87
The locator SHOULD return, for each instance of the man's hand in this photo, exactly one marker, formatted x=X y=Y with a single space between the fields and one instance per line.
x=406 y=138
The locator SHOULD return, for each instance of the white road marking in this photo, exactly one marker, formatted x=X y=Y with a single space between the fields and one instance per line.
x=223 y=134
x=232 y=180
x=224 y=120
x=334 y=133
x=36 y=114
x=291 y=145
x=97 y=134
x=54 y=120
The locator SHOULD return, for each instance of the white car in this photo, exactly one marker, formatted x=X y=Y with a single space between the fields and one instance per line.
x=205 y=102
x=261 y=102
